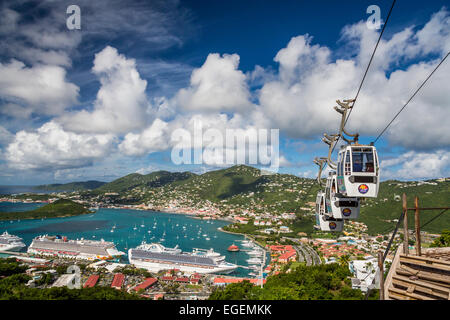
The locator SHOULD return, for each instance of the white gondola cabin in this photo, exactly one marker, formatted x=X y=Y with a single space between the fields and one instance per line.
x=341 y=207
x=324 y=219
x=358 y=171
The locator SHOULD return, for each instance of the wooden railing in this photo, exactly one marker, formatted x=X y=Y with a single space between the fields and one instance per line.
x=413 y=275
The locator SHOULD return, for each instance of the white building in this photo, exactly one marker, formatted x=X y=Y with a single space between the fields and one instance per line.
x=366 y=274
x=284 y=229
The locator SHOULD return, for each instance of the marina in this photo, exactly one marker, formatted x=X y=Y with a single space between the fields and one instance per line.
x=165 y=228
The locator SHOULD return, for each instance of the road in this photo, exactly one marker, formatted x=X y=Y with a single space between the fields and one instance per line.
x=306 y=253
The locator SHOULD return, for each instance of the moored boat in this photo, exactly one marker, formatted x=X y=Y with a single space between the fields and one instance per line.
x=9 y=242
x=200 y=261
x=233 y=248
x=79 y=249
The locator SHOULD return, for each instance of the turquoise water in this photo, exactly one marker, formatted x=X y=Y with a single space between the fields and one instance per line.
x=164 y=228
x=19 y=206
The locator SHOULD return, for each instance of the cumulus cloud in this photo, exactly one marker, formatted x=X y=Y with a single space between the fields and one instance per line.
x=152 y=139
x=42 y=88
x=217 y=86
x=417 y=165
x=43 y=40
x=121 y=104
x=300 y=100
x=296 y=97
x=54 y=148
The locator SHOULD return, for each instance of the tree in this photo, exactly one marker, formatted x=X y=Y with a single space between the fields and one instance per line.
x=322 y=282
x=344 y=259
x=443 y=240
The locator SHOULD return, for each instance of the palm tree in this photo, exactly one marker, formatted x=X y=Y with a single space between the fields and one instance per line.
x=344 y=260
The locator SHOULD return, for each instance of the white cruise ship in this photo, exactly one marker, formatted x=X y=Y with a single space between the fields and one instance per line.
x=8 y=242
x=79 y=249
x=155 y=257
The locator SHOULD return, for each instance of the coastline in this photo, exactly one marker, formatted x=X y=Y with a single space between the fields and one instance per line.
x=36 y=218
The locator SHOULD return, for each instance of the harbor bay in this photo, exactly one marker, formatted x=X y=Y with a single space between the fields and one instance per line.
x=129 y=228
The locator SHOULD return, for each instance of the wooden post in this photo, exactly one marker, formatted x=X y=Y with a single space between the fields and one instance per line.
x=417 y=224
x=405 y=226
x=381 y=268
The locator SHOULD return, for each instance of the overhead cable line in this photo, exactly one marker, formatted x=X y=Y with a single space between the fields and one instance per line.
x=432 y=219
x=367 y=69
x=409 y=100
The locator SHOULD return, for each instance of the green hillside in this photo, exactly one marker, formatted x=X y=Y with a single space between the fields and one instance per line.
x=151 y=180
x=379 y=213
x=237 y=188
x=240 y=188
x=59 y=208
x=72 y=186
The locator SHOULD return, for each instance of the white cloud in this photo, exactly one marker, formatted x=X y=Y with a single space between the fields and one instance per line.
x=154 y=138
x=299 y=57
x=297 y=98
x=216 y=86
x=300 y=100
x=40 y=40
x=417 y=165
x=121 y=105
x=52 y=147
x=42 y=89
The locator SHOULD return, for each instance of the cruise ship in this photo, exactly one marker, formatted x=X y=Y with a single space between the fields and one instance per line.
x=79 y=249
x=155 y=257
x=8 y=242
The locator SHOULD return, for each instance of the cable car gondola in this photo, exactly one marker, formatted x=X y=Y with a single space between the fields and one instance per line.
x=324 y=218
x=358 y=171
x=341 y=207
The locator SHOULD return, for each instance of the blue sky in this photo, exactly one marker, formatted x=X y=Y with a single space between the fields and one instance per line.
x=105 y=101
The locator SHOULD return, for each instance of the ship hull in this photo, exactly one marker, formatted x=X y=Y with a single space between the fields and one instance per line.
x=156 y=267
x=12 y=248
x=74 y=249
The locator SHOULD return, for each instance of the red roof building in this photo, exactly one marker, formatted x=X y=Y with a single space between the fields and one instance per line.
x=91 y=281
x=146 y=284
x=118 y=281
x=288 y=256
x=167 y=278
